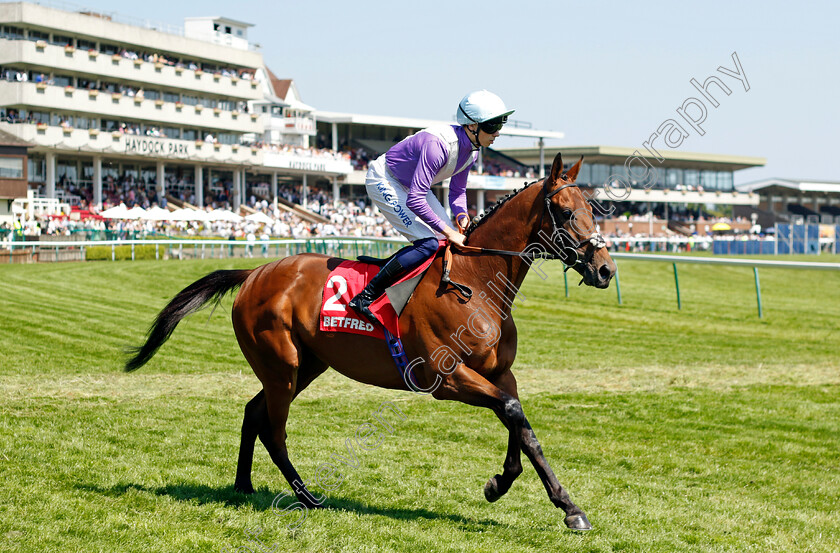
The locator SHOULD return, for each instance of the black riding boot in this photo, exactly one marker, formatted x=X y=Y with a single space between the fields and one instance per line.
x=386 y=276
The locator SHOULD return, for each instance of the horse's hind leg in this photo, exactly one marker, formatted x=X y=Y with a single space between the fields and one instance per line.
x=256 y=418
x=256 y=422
x=499 y=485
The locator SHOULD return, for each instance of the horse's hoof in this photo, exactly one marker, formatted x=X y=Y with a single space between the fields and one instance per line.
x=244 y=488
x=491 y=490
x=578 y=522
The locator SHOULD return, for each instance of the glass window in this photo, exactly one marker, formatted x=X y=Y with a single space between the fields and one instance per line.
x=708 y=179
x=63 y=80
x=148 y=174
x=227 y=138
x=171 y=97
x=11 y=167
x=171 y=132
x=86 y=84
x=37 y=169
x=673 y=177
x=109 y=49
x=62 y=40
x=151 y=95
x=227 y=105
x=692 y=177
x=600 y=173
x=80 y=122
x=110 y=170
x=39 y=117
x=724 y=181
x=585 y=175
x=189 y=100
x=83 y=44
x=87 y=171
x=66 y=170
x=35 y=36
x=190 y=134
x=109 y=125
x=10 y=32
x=207 y=102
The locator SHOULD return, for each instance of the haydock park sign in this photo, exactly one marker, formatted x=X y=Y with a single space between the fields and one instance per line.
x=148 y=146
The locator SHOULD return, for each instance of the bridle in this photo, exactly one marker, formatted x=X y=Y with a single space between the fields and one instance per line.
x=595 y=240
x=567 y=244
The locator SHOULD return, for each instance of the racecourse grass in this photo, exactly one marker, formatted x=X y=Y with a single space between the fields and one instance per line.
x=700 y=429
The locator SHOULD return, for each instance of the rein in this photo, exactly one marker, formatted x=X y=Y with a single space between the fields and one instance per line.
x=595 y=240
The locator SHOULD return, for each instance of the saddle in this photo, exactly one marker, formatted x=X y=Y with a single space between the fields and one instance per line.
x=348 y=279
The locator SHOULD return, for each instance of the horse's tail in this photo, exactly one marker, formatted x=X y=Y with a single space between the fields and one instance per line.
x=192 y=298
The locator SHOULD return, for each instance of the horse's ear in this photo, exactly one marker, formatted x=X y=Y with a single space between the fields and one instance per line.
x=572 y=173
x=556 y=168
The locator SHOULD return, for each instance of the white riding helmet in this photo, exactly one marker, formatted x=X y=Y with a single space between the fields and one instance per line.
x=480 y=106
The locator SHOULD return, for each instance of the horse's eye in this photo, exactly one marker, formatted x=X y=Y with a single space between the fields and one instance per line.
x=567 y=213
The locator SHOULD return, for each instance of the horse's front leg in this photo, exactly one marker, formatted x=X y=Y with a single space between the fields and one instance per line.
x=467 y=386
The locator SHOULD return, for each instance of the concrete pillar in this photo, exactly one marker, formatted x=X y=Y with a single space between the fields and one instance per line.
x=334 y=137
x=161 y=184
x=304 y=192
x=97 y=182
x=199 y=186
x=244 y=185
x=274 y=189
x=237 y=191
x=542 y=158
x=335 y=191
x=50 y=176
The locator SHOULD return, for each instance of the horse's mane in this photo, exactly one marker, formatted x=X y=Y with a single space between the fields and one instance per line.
x=479 y=220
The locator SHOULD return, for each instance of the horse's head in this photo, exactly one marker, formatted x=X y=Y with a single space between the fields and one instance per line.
x=573 y=226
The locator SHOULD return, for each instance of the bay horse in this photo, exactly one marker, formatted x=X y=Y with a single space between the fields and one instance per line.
x=276 y=321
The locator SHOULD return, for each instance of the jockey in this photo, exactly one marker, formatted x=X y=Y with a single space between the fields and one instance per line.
x=399 y=184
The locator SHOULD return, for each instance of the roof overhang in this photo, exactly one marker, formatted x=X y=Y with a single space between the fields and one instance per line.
x=220 y=19
x=786 y=185
x=616 y=155
x=412 y=123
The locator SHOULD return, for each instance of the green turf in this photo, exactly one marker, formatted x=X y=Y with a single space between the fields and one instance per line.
x=701 y=429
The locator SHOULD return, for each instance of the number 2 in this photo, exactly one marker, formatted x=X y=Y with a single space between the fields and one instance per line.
x=333 y=304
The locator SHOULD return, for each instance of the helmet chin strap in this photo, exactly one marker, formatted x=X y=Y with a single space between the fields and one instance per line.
x=476 y=144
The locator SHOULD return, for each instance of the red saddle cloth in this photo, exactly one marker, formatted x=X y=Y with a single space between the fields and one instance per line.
x=347 y=280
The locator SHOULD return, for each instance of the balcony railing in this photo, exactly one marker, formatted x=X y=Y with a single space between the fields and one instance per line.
x=119 y=68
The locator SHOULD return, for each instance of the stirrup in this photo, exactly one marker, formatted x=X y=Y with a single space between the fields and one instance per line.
x=361 y=305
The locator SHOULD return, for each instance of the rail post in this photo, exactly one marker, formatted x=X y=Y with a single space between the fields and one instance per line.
x=677 y=282
x=617 y=286
x=566 y=283
x=757 y=291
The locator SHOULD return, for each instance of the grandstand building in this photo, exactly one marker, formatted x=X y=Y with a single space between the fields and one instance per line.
x=796 y=201
x=190 y=114
x=673 y=190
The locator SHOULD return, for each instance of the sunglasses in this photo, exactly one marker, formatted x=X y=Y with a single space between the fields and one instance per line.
x=493 y=125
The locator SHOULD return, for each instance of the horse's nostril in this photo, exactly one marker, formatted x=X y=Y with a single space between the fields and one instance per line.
x=604 y=272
